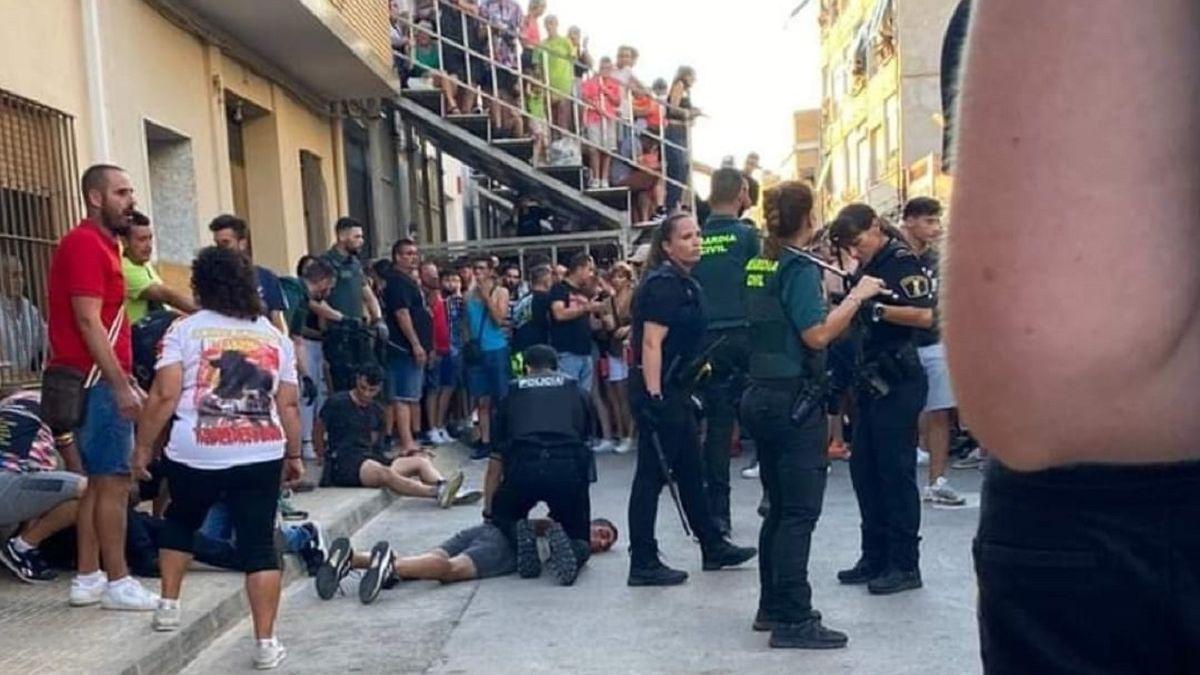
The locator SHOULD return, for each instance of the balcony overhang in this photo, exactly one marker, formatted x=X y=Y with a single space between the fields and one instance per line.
x=306 y=40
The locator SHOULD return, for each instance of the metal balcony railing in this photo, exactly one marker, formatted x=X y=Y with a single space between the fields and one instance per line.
x=623 y=127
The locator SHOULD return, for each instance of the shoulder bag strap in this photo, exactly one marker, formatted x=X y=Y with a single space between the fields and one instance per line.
x=113 y=332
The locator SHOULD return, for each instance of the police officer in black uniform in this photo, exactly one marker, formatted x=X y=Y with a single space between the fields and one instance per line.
x=727 y=244
x=784 y=410
x=891 y=389
x=669 y=318
x=541 y=455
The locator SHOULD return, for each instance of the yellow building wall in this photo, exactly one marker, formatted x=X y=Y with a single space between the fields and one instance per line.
x=302 y=130
x=43 y=60
x=369 y=19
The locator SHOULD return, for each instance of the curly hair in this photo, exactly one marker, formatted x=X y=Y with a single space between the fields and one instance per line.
x=223 y=282
x=787 y=208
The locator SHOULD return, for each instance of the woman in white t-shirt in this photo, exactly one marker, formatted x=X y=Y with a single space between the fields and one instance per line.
x=229 y=379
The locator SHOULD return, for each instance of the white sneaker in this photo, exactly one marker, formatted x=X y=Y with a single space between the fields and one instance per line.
x=625 y=446
x=604 y=447
x=751 y=472
x=922 y=457
x=166 y=619
x=129 y=595
x=444 y=437
x=939 y=492
x=269 y=654
x=973 y=460
x=86 y=592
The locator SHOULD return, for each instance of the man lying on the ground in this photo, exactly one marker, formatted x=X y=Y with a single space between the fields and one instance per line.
x=479 y=552
x=541 y=455
x=346 y=436
x=32 y=491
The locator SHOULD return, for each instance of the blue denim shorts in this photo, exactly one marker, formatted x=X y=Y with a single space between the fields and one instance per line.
x=407 y=378
x=490 y=376
x=446 y=374
x=105 y=439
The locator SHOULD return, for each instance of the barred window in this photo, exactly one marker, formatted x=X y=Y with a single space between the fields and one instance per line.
x=38 y=204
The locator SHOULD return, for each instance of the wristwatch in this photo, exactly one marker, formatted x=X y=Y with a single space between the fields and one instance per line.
x=877 y=311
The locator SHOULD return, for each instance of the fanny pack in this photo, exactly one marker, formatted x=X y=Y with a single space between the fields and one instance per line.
x=64 y=389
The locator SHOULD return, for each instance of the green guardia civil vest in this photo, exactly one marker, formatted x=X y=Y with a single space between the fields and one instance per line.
x=775 y=351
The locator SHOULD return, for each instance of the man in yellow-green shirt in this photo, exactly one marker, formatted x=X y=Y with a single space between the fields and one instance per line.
x=144 y=289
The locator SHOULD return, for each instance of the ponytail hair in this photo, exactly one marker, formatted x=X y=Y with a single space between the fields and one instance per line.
x=661 y=236
x=787 y=209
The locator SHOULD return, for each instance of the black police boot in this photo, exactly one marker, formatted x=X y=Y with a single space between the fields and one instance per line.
x=861 y=573
x=808 y=635
x=654 y=573
x=725 y=554
x=529 y=563
x=563 y=563
x=895 y=581
x=764 y=622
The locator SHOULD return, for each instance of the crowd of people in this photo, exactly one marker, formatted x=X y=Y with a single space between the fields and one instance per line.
x=492 y=56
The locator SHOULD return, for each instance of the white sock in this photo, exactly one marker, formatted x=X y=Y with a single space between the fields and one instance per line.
x=164 y=603
x=21 y=545
x=265 y=642
x=92 y=578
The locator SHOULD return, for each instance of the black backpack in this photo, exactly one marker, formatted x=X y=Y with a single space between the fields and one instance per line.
x=147 y=343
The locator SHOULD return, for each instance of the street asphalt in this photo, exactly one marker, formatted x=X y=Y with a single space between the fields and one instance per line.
x=510 y=625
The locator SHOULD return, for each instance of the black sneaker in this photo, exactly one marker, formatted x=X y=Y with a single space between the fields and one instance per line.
x=335 y=568
x=807 y=635
x=563 y=563
x=861 y=573
x=28 y=566
x=895 y=581
x=655 y=574
x=763 y=622
x=377 y=573
x=529 y=564
x=725 y=554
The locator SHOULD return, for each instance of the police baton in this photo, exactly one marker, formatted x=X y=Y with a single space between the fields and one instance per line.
x=887 y=292
x=672 y=486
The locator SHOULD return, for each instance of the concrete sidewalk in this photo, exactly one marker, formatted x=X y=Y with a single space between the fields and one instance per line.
x=40 y=633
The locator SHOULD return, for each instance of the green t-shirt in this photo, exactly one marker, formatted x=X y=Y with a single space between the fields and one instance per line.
x=137 y=279
x=727 y=245
x=296 y=294
x=560 y=57
x=426 y=59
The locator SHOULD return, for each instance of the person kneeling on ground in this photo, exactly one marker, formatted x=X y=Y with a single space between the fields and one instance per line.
x=346 y=436
x=32 y=491
x=542 y=455
x=479 y=552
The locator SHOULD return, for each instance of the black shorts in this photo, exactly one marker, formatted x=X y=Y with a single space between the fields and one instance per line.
x=488 y=549
x=249 y=491
x=346 y=471
x=1090 y=569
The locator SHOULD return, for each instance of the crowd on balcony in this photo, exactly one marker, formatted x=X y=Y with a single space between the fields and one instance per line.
x=536 y=81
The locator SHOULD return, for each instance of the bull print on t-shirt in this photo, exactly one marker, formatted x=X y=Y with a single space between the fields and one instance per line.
x=234 y=387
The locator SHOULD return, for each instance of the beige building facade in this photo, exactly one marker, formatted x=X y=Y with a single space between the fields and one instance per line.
x=881 y=113
x=269 y=109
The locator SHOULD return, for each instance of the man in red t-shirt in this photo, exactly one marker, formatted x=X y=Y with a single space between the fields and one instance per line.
x=87 y=292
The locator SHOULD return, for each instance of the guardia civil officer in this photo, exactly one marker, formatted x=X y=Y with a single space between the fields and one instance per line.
x=784 y=410
x=541 y=455
x=891 y=389
x=669 y=318
x=728 y=243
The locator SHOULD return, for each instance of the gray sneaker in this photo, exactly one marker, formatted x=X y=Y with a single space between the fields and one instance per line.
x=939 y=492
x=448 y=490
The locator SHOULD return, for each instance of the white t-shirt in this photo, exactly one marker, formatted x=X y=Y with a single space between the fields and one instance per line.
x=625 y=76
x=231 y=370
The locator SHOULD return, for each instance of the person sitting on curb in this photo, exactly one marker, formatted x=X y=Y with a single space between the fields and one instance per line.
x=479 y=552
x=346 y=437
x=32 y=491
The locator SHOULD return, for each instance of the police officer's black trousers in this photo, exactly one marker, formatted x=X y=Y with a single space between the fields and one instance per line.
x=721 y=393
x=793 y=470
x=346 y=350
x=883 y=469
x=679 y=436
x=559 y=482
x=1090 y=569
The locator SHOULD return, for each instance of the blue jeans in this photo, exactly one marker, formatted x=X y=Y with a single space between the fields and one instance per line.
x=490 y=376
x=582 y=368
x=678 y=166
x=218 y=527
x=105 y=438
